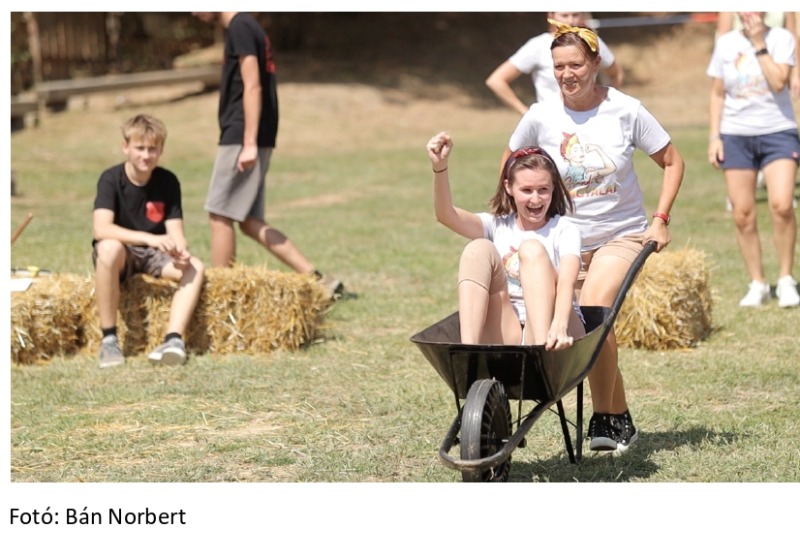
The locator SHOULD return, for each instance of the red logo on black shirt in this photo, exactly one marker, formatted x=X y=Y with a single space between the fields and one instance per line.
x=269 y=59
x=155 y=211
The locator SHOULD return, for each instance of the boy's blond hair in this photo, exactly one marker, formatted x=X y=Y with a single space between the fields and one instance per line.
x=145 y=127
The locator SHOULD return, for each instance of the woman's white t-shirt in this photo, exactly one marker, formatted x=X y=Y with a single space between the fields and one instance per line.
x=558 y=236
x=594 y=154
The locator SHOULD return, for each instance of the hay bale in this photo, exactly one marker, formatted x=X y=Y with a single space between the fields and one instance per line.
x=257 y=310
x=48 y=318
x=241 y=310
x=669 y=305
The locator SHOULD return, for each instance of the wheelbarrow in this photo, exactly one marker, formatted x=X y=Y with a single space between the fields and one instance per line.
x=487 y=377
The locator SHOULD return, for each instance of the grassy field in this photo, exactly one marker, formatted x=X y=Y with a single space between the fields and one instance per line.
x=350 y=184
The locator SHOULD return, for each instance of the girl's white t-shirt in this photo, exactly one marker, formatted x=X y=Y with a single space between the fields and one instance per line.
x=558 y=236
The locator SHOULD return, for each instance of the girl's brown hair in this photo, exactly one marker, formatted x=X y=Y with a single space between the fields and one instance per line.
x=530 y=157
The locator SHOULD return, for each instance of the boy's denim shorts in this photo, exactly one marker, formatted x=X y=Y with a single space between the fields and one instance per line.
x=755 y=152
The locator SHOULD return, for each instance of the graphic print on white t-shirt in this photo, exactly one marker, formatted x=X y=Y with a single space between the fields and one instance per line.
x=587 y=164
x=750 y=80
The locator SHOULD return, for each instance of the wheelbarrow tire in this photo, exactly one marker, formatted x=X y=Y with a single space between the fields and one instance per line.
x=485 y=427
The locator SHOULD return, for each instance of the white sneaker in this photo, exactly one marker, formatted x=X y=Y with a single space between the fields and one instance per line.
x=787 y=292
x=757 y=295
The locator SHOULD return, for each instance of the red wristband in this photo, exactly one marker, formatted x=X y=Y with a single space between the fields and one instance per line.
x=664 y=217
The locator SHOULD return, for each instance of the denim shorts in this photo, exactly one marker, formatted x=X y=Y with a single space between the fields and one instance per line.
x=755 y=152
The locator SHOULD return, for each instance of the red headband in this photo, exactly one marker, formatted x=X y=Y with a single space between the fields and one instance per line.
x=526 y=151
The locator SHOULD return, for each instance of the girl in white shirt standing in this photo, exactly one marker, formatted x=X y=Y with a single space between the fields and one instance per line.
x=752 y=127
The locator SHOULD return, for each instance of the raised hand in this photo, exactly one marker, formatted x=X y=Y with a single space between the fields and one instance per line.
x=439 y=148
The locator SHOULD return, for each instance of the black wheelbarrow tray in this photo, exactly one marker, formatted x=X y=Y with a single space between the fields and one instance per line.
x=485 y=377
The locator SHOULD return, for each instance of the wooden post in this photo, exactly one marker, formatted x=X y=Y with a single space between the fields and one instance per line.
x=21 y=227
x=35 y=46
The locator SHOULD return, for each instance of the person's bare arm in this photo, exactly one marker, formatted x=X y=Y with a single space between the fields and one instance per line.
x=500 y=81
x=180 y=255
x=716 y=101
x=103 y=227
x=724 y=22
x=251 y=78
x=777 y=75
x=669 y=159
x=790 y=22
x=615 y=74
x=558 y=336
x=457 y=219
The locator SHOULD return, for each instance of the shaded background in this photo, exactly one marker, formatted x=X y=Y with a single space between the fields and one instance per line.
x=382 y=49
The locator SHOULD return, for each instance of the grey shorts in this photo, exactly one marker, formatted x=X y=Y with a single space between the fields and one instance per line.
x=237 y=195
x=147 y=260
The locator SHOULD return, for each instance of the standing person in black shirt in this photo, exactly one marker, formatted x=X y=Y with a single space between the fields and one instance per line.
x=248 y=122
x=138 y=228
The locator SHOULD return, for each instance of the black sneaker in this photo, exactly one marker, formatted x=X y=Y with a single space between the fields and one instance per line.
x=627 y=433
x=602 y=433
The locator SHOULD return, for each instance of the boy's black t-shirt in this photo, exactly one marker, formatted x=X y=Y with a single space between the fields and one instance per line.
x=144 y=208
x=244 y=36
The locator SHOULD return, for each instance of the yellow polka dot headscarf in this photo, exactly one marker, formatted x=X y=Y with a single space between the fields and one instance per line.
x=589 y=36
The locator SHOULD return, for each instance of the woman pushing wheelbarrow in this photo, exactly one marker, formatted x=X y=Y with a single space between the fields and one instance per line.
x=590 y=135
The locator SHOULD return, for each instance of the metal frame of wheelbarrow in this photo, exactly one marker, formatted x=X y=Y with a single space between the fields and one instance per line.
x=490 y=375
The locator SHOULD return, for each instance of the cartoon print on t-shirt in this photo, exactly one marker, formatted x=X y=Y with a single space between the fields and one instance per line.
x=750 y=80
x=511 y=266
x=582 y=177
x=154 y=211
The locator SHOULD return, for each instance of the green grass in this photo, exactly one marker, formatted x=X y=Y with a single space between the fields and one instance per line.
x=364 y=405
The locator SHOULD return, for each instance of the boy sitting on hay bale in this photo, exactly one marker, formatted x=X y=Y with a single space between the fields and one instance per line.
x=138 y=228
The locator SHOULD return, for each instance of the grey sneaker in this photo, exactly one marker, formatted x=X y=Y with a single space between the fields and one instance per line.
x=110 y=353
x=333 y=287
x=170 y=353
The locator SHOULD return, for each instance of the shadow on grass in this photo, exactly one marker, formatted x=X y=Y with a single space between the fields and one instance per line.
x=637 y=463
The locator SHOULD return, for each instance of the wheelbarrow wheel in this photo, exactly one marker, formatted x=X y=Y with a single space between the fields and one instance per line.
x=485 y=427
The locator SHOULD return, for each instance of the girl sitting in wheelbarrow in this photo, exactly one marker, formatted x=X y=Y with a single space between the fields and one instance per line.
x=516 y=279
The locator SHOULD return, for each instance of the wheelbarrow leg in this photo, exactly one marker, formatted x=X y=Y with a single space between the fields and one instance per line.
x=576 y=452
x=579 y=422
x=565 y=430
